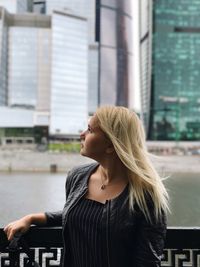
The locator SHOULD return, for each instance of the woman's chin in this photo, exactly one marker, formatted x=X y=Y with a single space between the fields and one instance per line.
x=82 y=152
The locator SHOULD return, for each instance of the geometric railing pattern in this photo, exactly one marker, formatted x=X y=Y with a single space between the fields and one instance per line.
x=182 y=247
x=45 y=245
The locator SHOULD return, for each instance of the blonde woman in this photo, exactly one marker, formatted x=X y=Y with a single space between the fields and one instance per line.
x=115 y=210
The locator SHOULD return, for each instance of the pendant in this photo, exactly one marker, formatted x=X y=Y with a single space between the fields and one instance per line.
x=103 y=187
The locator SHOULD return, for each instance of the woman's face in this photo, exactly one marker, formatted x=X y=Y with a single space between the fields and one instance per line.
x=94 y=143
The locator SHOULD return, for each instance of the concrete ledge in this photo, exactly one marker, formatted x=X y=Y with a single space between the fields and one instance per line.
x=32 y=161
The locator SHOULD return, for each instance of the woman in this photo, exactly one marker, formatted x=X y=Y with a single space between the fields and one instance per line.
x=115 y=210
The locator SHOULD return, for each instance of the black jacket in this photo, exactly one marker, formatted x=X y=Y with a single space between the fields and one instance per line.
x=131 y=241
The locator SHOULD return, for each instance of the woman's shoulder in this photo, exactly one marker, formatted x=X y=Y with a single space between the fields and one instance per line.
x=82 y=169
x=78 y=173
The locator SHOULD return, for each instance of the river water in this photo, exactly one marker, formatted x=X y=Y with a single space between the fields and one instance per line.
x=23 y=193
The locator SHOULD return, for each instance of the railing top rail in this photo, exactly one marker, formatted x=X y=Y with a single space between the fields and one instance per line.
x=177 y=237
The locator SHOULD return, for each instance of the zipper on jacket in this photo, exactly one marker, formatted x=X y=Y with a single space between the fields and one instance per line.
x=108 y=231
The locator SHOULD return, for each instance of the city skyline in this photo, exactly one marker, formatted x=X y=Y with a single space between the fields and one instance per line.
x=103 y=77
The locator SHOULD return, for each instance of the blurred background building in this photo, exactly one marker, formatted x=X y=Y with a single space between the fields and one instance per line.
x=17 y=6
x=115 y=52
x=87 y=9
x=69 y=74
x=42 y=59
x=145 y=50
x=59 y=61
x=175 y=94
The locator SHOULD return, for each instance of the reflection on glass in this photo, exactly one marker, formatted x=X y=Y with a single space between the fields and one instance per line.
x=176 y=79
x=115 y=51
x=69 y=82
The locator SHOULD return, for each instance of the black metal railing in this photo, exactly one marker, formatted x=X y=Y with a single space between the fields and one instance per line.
x=182 y=247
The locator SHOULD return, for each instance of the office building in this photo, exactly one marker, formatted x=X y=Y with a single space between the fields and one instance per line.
x=49 y=81
x=110 y=48
x=17 y=6
x=80 y=58
x=87 y=9
x=69 y=76
x=175 y=98
x=3 y=56
x=114 y=35
x=145 y=48
x=39 y=6
x=84 y=8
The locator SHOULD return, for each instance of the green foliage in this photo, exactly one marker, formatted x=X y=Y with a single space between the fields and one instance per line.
x=65 y=147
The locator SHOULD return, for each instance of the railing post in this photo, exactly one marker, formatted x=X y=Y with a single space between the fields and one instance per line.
x=14 y=258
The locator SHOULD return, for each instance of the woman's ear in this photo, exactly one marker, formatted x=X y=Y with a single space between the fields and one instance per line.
x=110 y=149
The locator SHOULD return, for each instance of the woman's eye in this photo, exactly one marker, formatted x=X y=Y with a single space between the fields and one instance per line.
x=89 y=130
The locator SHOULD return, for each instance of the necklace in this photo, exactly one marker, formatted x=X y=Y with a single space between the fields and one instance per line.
x=103 y=185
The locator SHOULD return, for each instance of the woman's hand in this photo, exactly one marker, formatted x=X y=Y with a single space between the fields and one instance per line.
x=22 y=225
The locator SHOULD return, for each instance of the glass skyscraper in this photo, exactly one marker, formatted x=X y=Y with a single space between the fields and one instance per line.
x=65 y=64
x=114 y=22
x=51 y=78
x=3 y=57
x=86 y=9
x=69 y=74
x=145 y=33
x=175 y=98
x=17 y=6
x=110 y=48
x=22 y=83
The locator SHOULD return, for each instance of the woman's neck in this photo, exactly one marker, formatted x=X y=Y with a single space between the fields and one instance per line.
x=113 y=171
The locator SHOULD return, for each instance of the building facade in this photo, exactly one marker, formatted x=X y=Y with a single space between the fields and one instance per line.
x=80 y=58
x=110 y=48
x=145 y=48
x=114 y=34
x=17 y=6
x=49 y=81
x=3 y=56
x=87 y=9
x=84 y=8
x=69 y=74
x=175 y=99
x=39 y=6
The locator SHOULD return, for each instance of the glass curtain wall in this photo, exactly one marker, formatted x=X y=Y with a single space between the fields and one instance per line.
x=3 y=57
x=69 y=78
x=43 y=69
x=86 y=9
x=175 y=103
x=93 y=66
x=22 y=71
x=115 y=52
x=145 y=29
x=17 y=6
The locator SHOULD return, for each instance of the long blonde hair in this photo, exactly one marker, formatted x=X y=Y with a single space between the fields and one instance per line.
x=125 y=130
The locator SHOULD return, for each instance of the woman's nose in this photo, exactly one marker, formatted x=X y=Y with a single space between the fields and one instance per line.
x=82 y=135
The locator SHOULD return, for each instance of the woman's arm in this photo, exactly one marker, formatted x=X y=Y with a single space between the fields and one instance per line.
x=47 y=218
x=22 y=225
x=54 y=218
